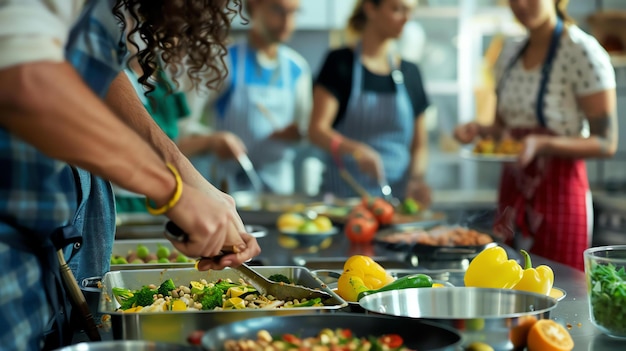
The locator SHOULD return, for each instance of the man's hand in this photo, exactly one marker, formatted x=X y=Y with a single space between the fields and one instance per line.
x=213 y=227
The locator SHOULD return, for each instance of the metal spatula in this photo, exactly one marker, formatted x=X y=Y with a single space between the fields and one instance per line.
x=265 y=286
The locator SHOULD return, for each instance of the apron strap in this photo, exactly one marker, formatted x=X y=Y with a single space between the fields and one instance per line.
x=546 y=69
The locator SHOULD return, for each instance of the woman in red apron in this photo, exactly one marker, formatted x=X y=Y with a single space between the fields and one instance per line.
x=556 y=93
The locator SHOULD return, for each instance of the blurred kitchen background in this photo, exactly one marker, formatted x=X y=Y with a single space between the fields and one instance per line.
x=455 y=42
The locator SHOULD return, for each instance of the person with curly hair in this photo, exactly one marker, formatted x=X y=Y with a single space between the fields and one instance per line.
x=70 y=122
x=263 y=108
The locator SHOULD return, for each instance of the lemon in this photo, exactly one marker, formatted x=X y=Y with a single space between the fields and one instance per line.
x=289 y=222
x=178 y=305
x=323 y=223
x=234 y=303
x=287 y=242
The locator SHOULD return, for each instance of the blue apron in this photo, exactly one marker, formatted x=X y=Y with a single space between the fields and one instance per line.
x=273 y=159
x=385 y=122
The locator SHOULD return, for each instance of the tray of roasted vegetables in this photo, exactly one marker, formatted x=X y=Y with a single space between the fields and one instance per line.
x=166 y=305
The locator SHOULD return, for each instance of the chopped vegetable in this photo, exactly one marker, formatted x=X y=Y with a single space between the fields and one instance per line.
x=326 y=339
x=280 y=278
x=166 y=287
x=202 y=295
x=211 y=297
x=128 y=299
x=608 y=297
x=410 y=206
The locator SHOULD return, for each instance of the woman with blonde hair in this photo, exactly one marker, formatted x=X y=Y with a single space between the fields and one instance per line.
x=549 y=87
x=368 y=107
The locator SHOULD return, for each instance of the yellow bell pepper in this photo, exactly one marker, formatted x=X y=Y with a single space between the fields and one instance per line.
x=492 y=269
x=361 y=273
x=538 y=280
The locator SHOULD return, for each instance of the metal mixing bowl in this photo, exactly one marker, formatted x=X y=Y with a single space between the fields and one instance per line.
x=494 y=316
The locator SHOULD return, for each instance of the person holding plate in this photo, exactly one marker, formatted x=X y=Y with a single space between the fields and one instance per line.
x=556 y=94
x=368 y=108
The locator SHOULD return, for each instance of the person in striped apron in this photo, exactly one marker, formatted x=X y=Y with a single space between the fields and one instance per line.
x=556 y=93
x=368 y=108
x=264 y=106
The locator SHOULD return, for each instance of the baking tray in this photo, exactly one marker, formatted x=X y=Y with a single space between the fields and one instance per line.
x=155 y=231
x=336 y=263
x=122 y=247
x=176 y=326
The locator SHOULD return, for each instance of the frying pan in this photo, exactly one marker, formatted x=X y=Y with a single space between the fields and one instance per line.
x=431 y=252
x=417 y=334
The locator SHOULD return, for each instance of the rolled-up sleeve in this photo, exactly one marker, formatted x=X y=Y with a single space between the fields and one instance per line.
x=35 y=30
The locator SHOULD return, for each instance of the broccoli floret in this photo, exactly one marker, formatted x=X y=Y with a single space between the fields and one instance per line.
x=279 y=278
x=211 y=297
x=225 y=285
x=145 y=296
x=166 y=287
x=124 y=297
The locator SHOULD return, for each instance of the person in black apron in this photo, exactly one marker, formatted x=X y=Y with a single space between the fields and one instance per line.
x=47 y=205
x=549 y=87
x=368 y=108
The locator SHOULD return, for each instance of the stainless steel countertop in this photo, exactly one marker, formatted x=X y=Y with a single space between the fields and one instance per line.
x=572 y=311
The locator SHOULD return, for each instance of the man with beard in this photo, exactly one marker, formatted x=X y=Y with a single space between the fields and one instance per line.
x=264 y=106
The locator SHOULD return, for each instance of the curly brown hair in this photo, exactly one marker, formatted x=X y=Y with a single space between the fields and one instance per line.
x=189 y=32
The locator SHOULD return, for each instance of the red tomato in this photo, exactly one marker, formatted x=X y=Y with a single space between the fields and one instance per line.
x=392 y=340
x=384 y=212
x=345 y=333
x=361 y=212
x=292 y=339
x=361 y=230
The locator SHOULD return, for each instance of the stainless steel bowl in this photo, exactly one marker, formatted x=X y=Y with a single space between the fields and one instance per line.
x=127 y=345
x=493 y=316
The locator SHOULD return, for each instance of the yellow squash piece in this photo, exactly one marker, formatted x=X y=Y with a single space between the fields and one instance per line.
x=538 y=280
x=492 y=269
x=234 y=303
x=179 y=305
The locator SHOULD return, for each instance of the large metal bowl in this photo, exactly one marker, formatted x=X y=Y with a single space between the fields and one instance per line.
x=127 y=345
x=494 y=316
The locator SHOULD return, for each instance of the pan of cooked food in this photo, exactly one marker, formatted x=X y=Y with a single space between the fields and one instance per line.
x=440 y=242
x=166 y=305
x=344 y=331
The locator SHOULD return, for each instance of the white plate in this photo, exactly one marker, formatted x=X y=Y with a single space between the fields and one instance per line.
x=469 y=154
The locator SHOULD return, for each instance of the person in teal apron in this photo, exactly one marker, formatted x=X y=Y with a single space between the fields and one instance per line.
x=65 y=104
x=368 y=109
x=266 y=100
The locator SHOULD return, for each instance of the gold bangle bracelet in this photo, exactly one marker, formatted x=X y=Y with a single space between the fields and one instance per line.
x=175 y=198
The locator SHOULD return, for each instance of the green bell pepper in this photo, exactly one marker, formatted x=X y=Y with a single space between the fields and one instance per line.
x=406 y=282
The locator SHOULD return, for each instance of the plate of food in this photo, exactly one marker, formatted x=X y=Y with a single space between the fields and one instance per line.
x=437 y=242
x=505 y=150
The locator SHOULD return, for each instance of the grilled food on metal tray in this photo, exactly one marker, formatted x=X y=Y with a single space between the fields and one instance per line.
x=223 y=294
